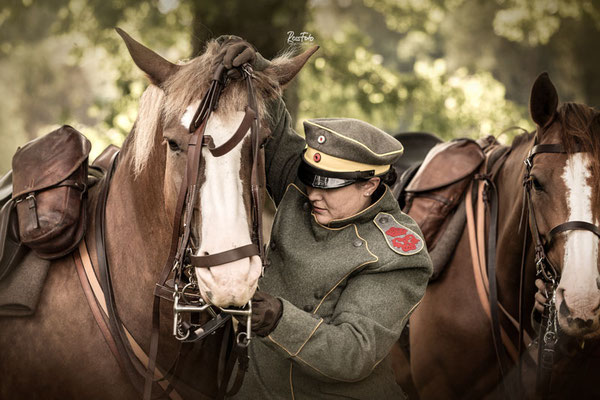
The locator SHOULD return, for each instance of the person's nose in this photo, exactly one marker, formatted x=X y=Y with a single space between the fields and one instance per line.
x=315 y=194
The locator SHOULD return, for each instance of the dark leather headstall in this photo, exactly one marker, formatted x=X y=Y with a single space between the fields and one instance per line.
x=181 y=260
x=545 y=270
x=543 y=243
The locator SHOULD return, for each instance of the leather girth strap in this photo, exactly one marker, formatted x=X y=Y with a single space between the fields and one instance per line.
x=484 y=255
x=128 y=353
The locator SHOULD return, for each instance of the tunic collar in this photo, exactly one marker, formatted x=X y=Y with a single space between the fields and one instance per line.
x=385 y=203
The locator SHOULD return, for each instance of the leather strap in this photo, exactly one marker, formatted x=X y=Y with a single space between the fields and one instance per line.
x=224 y=257
x=571 y=226
x=235 y=139
x=484 y=268
x=187 y=197
x=89 y=295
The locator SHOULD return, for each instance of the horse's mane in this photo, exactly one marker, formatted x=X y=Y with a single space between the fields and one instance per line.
x=160 y=105
x=522 y=138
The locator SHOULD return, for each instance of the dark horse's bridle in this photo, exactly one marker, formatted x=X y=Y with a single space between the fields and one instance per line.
x=181 y=261
x=544 y=267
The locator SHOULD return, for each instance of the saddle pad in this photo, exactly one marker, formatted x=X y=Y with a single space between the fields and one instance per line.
x=446 y=244
x=20 y=291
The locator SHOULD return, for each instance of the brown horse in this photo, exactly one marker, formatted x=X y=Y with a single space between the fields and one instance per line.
x=59 y=353
x=451 y=344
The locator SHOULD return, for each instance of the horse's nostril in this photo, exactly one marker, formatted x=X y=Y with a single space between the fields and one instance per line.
x=564 y=310
x=598 y=283
x=582 y=324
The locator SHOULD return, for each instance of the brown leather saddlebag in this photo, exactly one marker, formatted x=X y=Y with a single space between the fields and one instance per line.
x=437 y=187
x=49 y=190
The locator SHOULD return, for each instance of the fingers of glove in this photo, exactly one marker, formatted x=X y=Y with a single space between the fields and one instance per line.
x=232 y=52
x=540 y=301
x=259 y=296
x=246 y=56
x=539 y=284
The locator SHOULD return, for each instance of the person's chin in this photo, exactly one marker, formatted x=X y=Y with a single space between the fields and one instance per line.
x=321 y=216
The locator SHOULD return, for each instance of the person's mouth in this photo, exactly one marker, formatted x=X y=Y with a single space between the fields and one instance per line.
x=318 y=210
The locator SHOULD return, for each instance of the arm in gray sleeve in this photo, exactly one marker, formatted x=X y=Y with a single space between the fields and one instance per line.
x=282 y=151
x=367 y=320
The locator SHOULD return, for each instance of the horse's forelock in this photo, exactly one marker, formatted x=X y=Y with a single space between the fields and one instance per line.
x=187 y=86
x=146 y=125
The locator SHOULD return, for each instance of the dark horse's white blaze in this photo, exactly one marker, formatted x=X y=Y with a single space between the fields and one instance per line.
x=224 y=220
x=578 y=287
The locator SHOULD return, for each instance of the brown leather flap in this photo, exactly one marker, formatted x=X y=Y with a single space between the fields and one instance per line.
x=103 y=160
x=447 y=163
x=48 y=160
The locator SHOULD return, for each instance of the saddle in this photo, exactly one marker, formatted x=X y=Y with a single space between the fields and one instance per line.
x=433 y=192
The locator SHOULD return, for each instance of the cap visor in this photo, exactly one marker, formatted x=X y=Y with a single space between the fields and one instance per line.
x=310 y=176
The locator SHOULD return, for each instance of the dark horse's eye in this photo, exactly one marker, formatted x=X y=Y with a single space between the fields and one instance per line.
x=537 y=186
x=173 y=145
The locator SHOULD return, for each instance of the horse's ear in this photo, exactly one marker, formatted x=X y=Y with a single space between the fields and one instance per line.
x=543 y=101
x=285 y=71
x=157 y=68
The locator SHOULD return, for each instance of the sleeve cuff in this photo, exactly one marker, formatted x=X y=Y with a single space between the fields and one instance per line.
x=294 y=330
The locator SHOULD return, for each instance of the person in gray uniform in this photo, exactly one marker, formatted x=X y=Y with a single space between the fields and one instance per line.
x=346 y=267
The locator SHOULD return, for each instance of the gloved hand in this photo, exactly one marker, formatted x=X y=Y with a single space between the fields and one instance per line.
x=266 y=313
x=235 y=52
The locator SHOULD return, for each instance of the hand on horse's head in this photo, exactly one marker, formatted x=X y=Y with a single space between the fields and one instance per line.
x=235 y=52
x=541 y=296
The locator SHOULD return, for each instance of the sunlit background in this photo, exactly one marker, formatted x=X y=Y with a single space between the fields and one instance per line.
x=454 y=68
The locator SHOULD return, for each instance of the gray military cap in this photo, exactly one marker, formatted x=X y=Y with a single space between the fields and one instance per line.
x=341 y=151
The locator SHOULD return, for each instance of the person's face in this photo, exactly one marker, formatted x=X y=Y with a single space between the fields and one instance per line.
x=340 y=203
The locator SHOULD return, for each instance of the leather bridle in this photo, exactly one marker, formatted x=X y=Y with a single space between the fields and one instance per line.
x=543 y=243
x=181 y=261
x=545 y=269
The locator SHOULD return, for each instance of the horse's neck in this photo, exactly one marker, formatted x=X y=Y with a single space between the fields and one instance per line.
x=138 y=235
x=510 y=233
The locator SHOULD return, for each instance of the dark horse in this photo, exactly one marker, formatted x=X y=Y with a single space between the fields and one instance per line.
x=451 y=345
x=59 y=353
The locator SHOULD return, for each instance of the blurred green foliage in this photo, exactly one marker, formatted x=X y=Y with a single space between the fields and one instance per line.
x=451 y=67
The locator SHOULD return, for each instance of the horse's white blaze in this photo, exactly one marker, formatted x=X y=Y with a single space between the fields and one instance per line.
x=224 y=220
x=580 y=268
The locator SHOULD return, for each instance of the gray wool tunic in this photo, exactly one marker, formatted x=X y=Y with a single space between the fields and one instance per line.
x=346 y=293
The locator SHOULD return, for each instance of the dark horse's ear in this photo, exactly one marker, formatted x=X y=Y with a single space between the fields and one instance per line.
x=543 y=101
x=286 y=71
x=157 y=68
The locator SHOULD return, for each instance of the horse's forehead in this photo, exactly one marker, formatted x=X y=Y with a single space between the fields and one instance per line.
x=221 y=126
x=577 y=178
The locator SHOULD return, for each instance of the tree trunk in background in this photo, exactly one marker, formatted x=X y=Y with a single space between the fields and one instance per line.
x=242 y=18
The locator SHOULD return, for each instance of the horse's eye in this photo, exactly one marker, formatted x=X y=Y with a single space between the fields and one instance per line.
x=173 y=145
x=537 y=186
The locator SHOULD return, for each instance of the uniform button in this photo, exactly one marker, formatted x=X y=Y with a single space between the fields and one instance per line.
x=308 y=308
x=318 y=294
x=357 y=243
x=272 y=245
x=383 y=220
x=305 y=206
